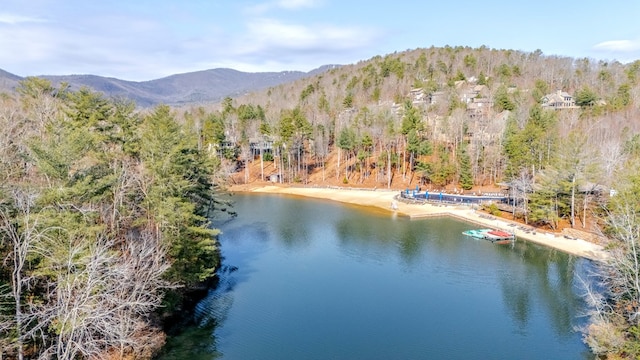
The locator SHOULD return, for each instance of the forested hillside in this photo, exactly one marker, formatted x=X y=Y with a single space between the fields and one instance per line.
x=105 y=209
x=443 y=118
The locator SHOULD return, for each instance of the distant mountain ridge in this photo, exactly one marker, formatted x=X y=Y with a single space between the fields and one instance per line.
x=194 y=87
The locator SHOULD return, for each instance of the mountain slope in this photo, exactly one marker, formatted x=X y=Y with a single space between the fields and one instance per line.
x=194 y=87
x=8 y=81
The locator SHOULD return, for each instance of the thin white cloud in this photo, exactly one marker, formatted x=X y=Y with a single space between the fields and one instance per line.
x=283 y=4
x=13 y=19
x=273 y=45
x=271 y=33
x=297 y=4
x=619 y=45
x=32 y=43
x=143 y=48
x=95 y=46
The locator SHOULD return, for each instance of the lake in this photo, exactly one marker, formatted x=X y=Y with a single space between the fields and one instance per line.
x=312 y=279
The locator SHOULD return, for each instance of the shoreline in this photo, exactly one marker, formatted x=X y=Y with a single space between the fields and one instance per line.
x=383 y=199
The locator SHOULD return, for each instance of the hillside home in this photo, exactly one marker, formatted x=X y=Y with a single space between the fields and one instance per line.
x=488 y=129
x=477 y=100
x=437 y=97
x=474 y=91
x=479 y=107
x=397 y=109
x=559 y=100
x=417 y=96
x=261 y=146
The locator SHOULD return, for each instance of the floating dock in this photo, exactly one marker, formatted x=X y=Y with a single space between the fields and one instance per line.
x=495 y=236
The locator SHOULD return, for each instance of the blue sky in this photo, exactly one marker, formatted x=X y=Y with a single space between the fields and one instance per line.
x=149 y=39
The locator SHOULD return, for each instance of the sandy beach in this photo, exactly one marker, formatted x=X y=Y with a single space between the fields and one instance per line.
x=383 y=199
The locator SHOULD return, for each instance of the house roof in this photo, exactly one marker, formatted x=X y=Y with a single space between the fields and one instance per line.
x=559 y=98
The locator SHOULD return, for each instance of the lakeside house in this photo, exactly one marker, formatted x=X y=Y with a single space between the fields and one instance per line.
x=559 y=100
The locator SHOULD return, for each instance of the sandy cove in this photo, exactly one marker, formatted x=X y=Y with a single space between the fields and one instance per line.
x=383 y=199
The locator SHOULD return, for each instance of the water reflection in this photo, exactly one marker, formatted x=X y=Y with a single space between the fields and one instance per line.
x=544 y=275
x=309 y=279
x=382 y=237
x=192 y=343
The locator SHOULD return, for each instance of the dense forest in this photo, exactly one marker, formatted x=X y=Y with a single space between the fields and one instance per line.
x=444 y=118
x=104 y=222
x=105 y=208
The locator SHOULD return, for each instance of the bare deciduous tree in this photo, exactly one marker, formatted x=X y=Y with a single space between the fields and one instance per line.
x=101 y=295
x=20 y=230
x=615 y=301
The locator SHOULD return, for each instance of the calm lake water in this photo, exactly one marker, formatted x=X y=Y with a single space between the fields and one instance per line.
x=309 y=279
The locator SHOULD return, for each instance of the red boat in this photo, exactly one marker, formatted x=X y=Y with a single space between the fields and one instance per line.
x=495 y=236
x=501 y=234
x=500 y=237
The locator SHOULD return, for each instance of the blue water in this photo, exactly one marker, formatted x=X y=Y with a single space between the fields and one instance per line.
x=309 y=279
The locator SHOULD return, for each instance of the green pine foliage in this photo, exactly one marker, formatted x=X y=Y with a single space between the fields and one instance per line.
x=177 y=182
x=585 y=97
x=106 y=188
x=549 y=200
x=533 y=147
x=347 y=139
x=503 y=101
x=466 y=177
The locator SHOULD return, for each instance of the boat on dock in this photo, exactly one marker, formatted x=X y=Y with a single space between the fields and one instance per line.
x=477 y=233
x=495 y=236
